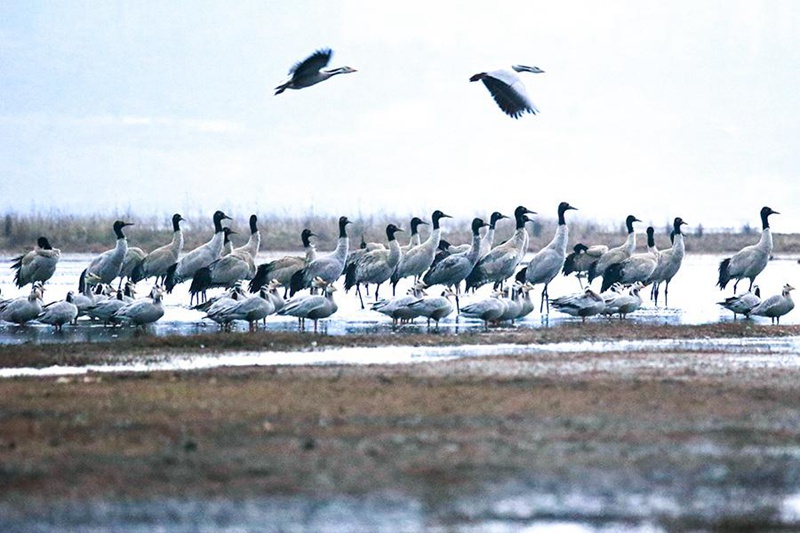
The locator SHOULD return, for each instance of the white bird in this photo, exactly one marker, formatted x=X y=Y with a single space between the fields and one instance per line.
x=742 y=304
x=108 y=265
x=750 y=260
x=623 y=302
x=309 y=71
x=22 y=310
x=375 y=266
x=453 y=269
x=488 y=309
x=284 y=268
x=527 y=304
x=434 y=307
x=201 y=256
x=669 y=262
x=616 y=254
x=37 y=265
x=157 y=262
x=59 y=313
x=581 y=258
x=312 y=306
x=548 y=262
x=512 y=298
x=419 y=258
x=143 y=311
x=776 y=306
x=328 y=267
x=104 y=310
x=508 y=91
x=398 y=308
x=500 y=263
x=585 y=304
x=637 y=267
x=252 y=309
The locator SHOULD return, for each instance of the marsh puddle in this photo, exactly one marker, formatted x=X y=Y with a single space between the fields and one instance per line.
x=731 y=355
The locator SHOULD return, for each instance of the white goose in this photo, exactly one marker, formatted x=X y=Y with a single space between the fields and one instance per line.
x=742 y=304
x=22 y=310
x=776 y=306
x=59 y=313
x=508 y=90
x=309 y=71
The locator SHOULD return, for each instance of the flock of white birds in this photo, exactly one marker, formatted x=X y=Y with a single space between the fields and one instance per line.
x=429 y=263
x=439 y=272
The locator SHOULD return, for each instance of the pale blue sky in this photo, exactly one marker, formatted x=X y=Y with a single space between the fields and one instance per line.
x=659 y=109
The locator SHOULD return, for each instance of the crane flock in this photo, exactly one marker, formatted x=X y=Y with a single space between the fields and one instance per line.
x=311 y=278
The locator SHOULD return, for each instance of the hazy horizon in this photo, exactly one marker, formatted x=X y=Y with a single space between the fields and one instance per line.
x=657 y=109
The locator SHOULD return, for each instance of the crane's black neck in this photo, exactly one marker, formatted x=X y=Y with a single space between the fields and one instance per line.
x=676 y=225
x=651 y=240
x=118 y=225
x=176 y=222
x=343 y=222
x=477 y=224
x=218 y=217
x=43 y=243
x=305 y=236
x=415 y=222
x=253 y=224
x=629 y=223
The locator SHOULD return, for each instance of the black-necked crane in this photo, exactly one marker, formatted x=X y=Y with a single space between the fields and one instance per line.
x=750 y=260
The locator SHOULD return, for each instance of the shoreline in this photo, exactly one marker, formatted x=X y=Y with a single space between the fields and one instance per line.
x=450 y=437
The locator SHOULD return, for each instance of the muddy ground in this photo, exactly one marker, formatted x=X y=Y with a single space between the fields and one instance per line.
x=676 y=446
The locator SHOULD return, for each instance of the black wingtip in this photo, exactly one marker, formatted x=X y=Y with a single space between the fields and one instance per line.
x=613 y=274
x=82 y=281
x=201 y=281
x=260 y=279
x=169 y=280
x=350 y=277
x=724 y=274
x=296 y=282
x=520 y=277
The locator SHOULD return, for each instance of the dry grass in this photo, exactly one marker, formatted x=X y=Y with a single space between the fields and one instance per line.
x=91 y=233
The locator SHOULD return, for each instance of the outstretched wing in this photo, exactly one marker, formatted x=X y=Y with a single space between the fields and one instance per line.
x=312 y=63
x=509 y=93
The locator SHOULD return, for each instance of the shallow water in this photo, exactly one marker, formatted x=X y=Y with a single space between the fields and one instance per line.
x=693 y=298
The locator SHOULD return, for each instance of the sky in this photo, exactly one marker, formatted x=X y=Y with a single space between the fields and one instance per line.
x=657 y=109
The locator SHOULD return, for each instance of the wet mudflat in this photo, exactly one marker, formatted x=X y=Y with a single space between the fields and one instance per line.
x=677 y=437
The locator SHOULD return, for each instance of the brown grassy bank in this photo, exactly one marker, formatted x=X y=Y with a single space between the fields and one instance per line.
x=89 y=233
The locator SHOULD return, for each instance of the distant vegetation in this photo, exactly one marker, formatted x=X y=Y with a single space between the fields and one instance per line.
x=90 y=233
